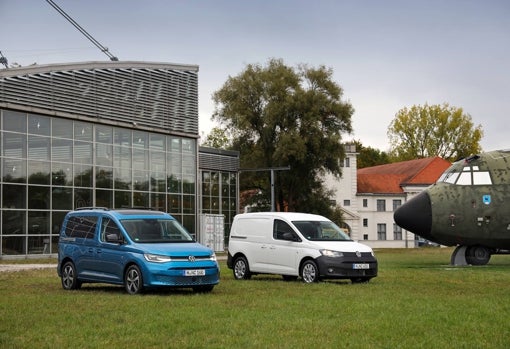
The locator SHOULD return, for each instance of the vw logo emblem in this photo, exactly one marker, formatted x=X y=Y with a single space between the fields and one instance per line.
x=191 y=258
x=358 y=254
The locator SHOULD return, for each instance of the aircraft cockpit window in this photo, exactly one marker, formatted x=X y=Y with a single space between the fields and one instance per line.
x=464 y=178
x=481 y=178
x=450 y=177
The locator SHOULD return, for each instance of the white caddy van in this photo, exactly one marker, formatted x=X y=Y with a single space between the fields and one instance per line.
x=296 y=245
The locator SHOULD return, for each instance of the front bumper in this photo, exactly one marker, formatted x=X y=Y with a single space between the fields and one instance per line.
x=174 y=275
x=350 y=266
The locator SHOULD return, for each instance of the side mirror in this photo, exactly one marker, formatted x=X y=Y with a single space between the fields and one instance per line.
x=290 y=237
x=114 y=238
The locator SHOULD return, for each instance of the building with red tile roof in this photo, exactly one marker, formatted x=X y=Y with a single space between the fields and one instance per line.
x=369 y=196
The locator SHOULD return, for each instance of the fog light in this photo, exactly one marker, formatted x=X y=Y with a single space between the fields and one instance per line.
x=330 y=270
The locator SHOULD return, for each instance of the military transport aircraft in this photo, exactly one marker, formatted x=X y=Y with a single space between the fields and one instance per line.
x=468 y=207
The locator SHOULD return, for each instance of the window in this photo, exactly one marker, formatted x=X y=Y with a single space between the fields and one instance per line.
x=397 y=232
x=381 y=205
x=365 y=236
x=365 y=202
x=81 y=227
x=396 y=204
x=347 y=202
x=347 y=162
x=280 y=228
x=109 y=227
x=365 y=222
x=381 y=231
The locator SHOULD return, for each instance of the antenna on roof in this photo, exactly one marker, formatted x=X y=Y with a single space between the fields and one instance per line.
x=83 y=31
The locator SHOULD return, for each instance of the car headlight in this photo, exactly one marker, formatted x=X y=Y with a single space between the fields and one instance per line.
x=331 y=253
x=156 y=258
x=213 y=257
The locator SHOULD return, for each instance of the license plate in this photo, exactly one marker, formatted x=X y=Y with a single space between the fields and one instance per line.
x=361 y=266
x=194 y=272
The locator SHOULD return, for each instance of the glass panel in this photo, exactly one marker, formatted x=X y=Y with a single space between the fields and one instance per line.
x=62 y=198
x=157 y=161
x=175 y=144
x=122 y=199
x=141 y=180
x=15 y=121
x=62 y=128
x=122 y=136
x=38 y=172
x=157 y=141
x=39 y=222
x=12 y=245
x=189 y=223
x=39 y=125
x=14 y=145
x=122 y=157
x=188 y=185
x=188 y=203
x=104 y=178
x=83 y=175
x=38 y=148
x=158 y=182
x=82 y=152
x=104 y=198
x=140 y=140
x=14 y=196
x=481 y=178
x=104 y=134
x=140 y=159
x=13 y=222
x=38 y=198
x=38 y=245
x=83 y=131
x=174 y=203
x=57 y=219
x=104 y=154
x=174 y=184
x=464 y=178
x=158 y=202
x=82 y=198
x=141 y=199
x=14 y=171
x=62 y=150
x=62 y=174
x=188 y=146
x=122 y=178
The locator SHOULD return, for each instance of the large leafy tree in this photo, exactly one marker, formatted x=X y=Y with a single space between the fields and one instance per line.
x=283 y=116
x=433 y=130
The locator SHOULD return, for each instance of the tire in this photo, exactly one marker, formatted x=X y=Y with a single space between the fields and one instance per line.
x=241 y=269
x=133 y=280
x=69 y=278
x=309 y=272
x=478 y=255
x=203 y=289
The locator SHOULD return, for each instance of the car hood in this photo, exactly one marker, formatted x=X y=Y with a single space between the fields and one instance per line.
x=342 y=246
x=175 y=249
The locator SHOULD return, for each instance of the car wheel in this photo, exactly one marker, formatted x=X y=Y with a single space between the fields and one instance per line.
x=310 y=272
x=133 y=281
x=69 y=279
x=203 y=289
x=241 y=269
x=477 y=255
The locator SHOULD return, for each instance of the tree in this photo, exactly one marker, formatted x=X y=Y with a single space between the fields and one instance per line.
x=217 y=138
x=368 y=156
x=283 y=116
x=433 y=130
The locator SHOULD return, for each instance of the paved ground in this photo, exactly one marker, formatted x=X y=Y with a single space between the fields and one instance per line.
x=18 y=267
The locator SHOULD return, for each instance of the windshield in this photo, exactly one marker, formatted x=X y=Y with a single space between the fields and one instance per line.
x=156 y=230
x=321 y=231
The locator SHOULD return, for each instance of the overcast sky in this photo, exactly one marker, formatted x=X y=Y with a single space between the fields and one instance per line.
x=386 y=55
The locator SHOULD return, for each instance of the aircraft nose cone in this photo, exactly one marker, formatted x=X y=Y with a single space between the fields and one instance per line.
x=416 y=215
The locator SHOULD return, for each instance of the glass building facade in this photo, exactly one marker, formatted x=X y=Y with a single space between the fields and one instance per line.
x=103 y=135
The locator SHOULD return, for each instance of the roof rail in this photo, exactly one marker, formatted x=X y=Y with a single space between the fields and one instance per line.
x=92 y=208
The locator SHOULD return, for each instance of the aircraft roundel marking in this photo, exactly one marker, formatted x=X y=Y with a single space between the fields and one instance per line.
x=486 y=199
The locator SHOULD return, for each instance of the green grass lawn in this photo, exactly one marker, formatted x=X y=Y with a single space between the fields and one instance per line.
x=417 y=301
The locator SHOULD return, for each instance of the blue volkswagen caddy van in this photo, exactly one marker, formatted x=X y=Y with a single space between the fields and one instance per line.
x=135 y=248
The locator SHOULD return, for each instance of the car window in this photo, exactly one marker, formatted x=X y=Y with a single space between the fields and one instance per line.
x=321 y=231
x=280 y=228
x=109 y=227
x=81 y=227
x=156 y=230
